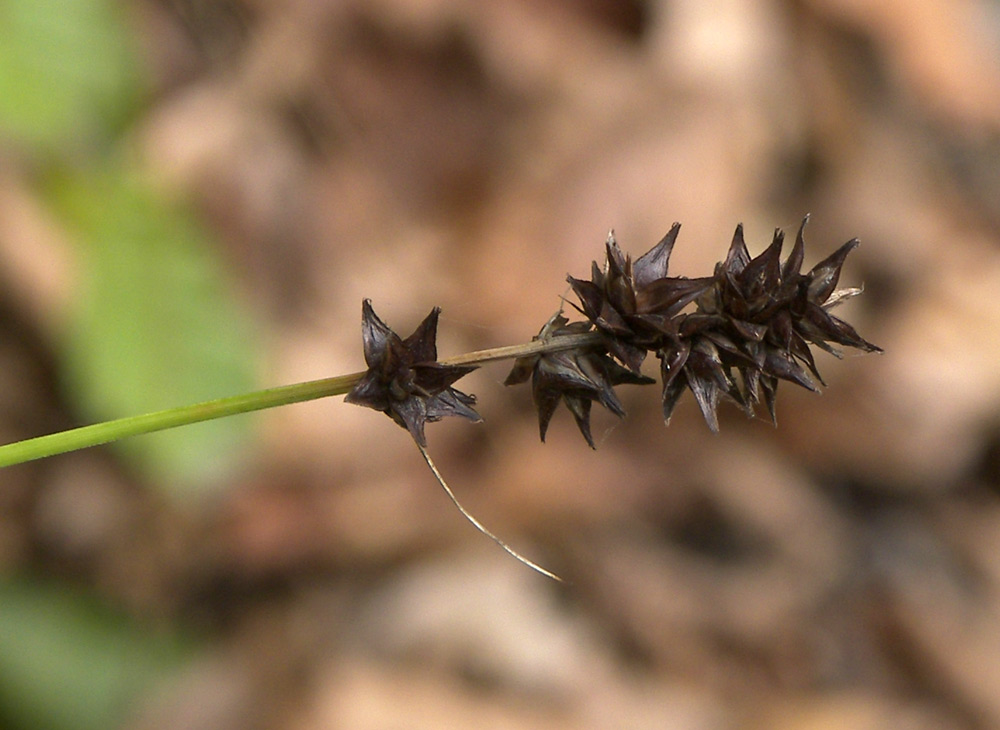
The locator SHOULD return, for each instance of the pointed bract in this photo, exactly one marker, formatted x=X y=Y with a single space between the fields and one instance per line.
x=375 y=334
x=654 y=264
x=824 y=276
x=422 y=344
x=793 y=264
x=738 y=256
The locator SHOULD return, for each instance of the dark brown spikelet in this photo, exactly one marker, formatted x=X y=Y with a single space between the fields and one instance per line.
x=577 y=377
x=404 y=379
x=752 y=324
x=701 y=363
x=771 y=314
x=634 y=306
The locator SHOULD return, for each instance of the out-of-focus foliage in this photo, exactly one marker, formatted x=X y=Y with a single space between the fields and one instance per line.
x=144 y=320
x=66 y=71
x=151 y=322
x=155 y=326
x=67 y=662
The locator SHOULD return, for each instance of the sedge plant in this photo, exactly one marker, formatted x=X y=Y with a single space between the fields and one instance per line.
x=733 y=335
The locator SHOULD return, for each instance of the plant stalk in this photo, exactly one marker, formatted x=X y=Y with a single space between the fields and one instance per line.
x=107 y=431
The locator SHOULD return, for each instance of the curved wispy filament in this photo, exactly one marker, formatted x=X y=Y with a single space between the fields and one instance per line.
x=479 y=525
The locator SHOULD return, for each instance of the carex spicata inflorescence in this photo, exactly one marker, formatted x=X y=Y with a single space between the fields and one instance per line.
x=733 y=335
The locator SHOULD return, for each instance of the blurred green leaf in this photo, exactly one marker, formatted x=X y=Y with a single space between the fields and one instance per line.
x=66 y=70
x=69 y=663
x=157 y=326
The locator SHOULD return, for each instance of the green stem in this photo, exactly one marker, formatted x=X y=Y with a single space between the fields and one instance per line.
x=102 y=433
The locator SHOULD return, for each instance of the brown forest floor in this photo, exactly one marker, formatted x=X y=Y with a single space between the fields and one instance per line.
x=840 y=571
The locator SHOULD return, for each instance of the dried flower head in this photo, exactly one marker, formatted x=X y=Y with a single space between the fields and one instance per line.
x=404 y=379
x=763 y=314
x=753 y=322
x=733 y=335
x=634 y=305
x=578 y=377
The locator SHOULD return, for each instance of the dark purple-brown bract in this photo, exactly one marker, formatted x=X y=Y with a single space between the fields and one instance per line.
x=404 y=379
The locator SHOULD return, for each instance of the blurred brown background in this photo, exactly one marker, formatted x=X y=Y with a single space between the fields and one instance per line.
x=840 y=571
